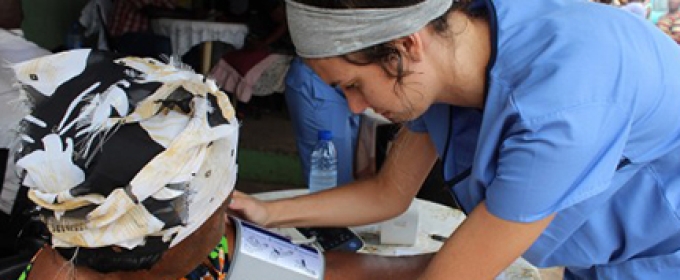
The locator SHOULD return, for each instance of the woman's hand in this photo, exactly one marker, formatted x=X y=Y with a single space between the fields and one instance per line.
x=249 y=208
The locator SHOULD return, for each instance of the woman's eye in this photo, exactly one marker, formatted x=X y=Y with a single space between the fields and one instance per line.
x=351 y=86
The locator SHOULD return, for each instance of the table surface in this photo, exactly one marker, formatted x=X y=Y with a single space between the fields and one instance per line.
x=186 y=33
x=433 y=219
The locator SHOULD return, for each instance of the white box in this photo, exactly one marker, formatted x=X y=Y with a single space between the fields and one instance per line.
x=402 y=230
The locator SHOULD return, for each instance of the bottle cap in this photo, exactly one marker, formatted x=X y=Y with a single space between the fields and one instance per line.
x=325 y=135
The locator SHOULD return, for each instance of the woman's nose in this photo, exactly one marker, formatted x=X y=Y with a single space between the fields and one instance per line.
x=357 y=104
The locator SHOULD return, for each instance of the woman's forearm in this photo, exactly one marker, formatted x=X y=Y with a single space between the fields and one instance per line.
x=343 y=265
x=367 y=201
x=348 y=205
x=483 y=245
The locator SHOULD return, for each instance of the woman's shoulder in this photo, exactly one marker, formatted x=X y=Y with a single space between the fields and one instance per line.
x=585 y=40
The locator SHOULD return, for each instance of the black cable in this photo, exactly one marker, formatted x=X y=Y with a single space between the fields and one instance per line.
x=450 y=184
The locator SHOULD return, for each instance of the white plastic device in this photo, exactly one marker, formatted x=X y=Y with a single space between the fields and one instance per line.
x=263 y=254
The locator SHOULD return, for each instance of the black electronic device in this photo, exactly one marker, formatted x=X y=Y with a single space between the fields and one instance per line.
x=334 y=238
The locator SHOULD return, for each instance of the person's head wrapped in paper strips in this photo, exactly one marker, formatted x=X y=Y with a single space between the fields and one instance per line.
x=123 y=155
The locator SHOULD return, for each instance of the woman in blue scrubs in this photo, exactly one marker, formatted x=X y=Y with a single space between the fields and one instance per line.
x=558 y=122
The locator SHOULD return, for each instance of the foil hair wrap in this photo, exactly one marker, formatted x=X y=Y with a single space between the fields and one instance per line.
x=117 y=149
x=322 y=32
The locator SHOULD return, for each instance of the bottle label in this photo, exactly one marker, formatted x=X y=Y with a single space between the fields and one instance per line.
x=322 y=179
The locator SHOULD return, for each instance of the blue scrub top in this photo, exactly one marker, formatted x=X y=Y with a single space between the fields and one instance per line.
x=582 y=119
x=314 y=105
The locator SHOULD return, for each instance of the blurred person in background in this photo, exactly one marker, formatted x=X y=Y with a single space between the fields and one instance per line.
x=637 y=7
x=313 y=106
x=670 y=23
x=130 y=28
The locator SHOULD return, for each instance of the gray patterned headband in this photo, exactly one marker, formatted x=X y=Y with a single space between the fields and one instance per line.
x=320 y=32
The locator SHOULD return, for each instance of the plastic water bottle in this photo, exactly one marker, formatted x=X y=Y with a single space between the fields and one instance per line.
x=323 y=172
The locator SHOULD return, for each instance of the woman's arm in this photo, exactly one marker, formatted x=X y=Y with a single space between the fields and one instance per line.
x=356 y=266
x=483 y=246
x=386 y=195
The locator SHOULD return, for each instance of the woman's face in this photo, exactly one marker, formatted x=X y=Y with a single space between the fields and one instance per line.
x=367 y=86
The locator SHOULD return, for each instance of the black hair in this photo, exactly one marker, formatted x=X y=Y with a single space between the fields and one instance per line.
x=111 y=259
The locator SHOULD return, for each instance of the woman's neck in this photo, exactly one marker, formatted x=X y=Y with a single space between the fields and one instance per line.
x=175 y=263
x=463 y=69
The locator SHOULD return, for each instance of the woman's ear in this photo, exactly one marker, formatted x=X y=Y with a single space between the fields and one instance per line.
x=411 y=46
